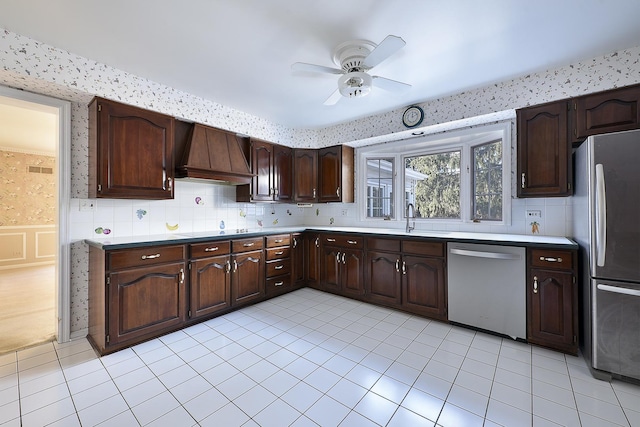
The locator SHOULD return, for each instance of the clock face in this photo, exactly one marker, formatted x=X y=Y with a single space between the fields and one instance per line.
x=412 y=116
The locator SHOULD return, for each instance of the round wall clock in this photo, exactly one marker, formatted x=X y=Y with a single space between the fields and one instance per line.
x=412 y=116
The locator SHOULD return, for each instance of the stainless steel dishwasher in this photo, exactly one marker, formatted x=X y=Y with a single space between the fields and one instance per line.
x=486 y=287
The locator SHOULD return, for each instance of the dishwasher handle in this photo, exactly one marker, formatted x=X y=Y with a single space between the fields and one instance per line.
x=483 y=254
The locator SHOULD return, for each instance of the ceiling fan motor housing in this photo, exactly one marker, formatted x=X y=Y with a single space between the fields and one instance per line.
x=350 y=55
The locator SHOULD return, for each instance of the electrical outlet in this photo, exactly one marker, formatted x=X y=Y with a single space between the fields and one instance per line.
x=534 y=214
x=344 y=212
x=87 y=205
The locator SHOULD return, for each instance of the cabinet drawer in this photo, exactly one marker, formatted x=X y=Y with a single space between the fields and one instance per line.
x=278 y=268
x=203 y=250
x=245 y=245
x=390 y=245
x=343 y=241
x=278 y=253
x=423 y=248
x=279 y=240
x=556 y=259
x=276 y=284
x=140 y=257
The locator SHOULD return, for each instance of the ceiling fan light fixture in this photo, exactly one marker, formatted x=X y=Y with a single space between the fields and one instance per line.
x=355 y=85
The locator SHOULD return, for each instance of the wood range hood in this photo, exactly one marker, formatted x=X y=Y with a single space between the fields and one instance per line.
x=204 y=152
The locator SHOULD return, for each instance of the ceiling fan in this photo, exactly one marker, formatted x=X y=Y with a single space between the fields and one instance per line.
x=355 y=59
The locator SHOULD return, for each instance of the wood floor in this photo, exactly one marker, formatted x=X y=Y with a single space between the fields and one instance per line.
x=27 y=307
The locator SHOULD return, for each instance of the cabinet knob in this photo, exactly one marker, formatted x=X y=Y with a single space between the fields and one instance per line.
x=154 y=256
x=535 y=284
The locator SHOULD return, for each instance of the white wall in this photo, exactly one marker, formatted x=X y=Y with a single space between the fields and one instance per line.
x=36 y=67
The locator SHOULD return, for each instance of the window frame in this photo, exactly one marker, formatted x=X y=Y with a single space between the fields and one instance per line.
x=462 y=139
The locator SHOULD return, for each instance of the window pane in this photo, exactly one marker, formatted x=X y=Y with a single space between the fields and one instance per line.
x=433 y=184
x=379 y=188
x=487 y=181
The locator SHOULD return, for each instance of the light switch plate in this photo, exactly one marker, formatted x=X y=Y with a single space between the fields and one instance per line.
x=534 y=214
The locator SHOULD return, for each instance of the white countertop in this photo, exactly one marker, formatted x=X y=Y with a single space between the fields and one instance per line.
x=180 y=238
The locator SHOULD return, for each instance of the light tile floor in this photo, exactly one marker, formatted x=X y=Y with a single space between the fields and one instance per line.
x=310 y=358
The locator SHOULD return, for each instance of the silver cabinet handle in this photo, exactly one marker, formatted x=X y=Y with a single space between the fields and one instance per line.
x=279 y=283
x=278 y=241
x=550 y=259
x=330 y=240
x=181 y=276
x=314 y=193
x=228 y=267
x=343 y=257
x=338 y=258
x=213 y=249
x=352 y=242
x=398 y=265
x=295 y=243
x=523 y=180
x=338 y=192
x=535 y=284
x=248 y=245
x=404 y=268
x=154 y=256
x=278 y=267
x=279 y=253
x=317 y=242
x=235 y=265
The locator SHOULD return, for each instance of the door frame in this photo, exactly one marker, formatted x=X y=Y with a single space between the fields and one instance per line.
x=63 y=285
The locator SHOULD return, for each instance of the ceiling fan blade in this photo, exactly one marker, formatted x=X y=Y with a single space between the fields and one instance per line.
x=303 y=66
x=386 y=48
x=390 y=85
x=333 y=98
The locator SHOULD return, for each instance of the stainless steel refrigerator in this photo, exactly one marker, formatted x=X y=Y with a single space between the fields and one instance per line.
x=606 y=225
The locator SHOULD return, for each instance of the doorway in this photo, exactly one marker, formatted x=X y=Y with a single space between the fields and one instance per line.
x=34 y=199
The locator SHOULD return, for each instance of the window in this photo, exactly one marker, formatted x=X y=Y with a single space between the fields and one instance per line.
x=487 y=181
x=380 y=176
x=458 y=176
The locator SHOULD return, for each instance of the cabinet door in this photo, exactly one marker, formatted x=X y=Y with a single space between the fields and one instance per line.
x=297 y=259
x=551 y=309
x=423 y=288
x=283 y=173
x=384 y=278
x=610 y=111
x=248 y=277
x=331 y=265
x=305 y=170
x=131 y=152
x=544 y=167
x=313 y=255
x=352 y=274
x=330 y=174
x=262 y=166
x=146 y=301
x=210 y=285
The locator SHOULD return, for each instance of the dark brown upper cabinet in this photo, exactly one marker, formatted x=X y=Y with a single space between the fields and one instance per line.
x=544 y=150
x=305 y=169
x=130 y=152
x=611 y=111
x=335 y=167
x=272 y=165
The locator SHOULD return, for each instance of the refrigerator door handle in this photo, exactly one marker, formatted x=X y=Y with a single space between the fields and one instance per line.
x=619 y=290
x=601 y=216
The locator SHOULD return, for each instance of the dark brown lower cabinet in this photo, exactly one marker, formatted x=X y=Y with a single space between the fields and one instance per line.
x=210 y=286
x=343 y=271
x=552 y=318
x=312 y=260
x=384 y=278
x=145 y=301
x=297 y=260
x=423 y=286
x=247 y=278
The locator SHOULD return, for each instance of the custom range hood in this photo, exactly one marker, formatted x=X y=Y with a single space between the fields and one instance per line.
x=203 y=152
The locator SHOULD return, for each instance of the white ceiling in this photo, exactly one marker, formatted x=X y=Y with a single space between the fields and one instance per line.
x=239 y=52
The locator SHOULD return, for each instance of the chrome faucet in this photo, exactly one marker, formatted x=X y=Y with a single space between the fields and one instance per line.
x=412 y=209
